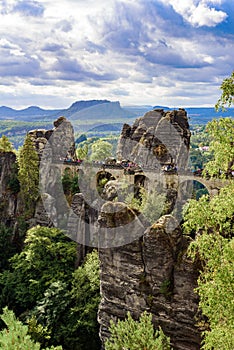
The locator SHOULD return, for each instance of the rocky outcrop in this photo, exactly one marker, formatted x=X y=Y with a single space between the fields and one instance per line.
x=61 y=139
x=152 y=273
x=151 y=270
x=53 y=147
x=157 y=138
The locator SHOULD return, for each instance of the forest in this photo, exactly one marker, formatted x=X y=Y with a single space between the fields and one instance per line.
x=49 y=299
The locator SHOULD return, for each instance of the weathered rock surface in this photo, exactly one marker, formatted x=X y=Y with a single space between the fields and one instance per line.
x=53 y=146
x=157 y=138
x=152 y=273
x=61 y=140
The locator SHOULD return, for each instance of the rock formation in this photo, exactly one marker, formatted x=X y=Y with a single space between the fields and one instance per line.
x=154 y=274
x=61 y=139
x=157 y=138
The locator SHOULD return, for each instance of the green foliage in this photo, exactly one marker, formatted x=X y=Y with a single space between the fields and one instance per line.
x=13 y=183
x=215 y=215
x=47 y=317
x=226 y=98
x=70 y=183
x=5 y=144
x=82 y=151
x=222 y=142
x=16 y=130
x=70 y=314
x=28 y=161
x=85 y=294
x=199 y=159
x=151 y=204
x=136 y=335
x=101 y=150
x=7 y=249
x=48 y=256
x=215 y=288
x=15 y=336
x=212 y=221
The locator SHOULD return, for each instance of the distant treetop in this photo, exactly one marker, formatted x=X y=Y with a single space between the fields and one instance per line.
x=227 y=97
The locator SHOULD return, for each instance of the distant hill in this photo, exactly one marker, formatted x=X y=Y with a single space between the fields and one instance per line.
x=204 y=115
x=95 y=111
x=80 y=110
x=104 y=110
x=32 y=113
x=115 y=127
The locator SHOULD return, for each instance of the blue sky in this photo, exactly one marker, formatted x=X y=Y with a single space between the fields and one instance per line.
x=173 y=53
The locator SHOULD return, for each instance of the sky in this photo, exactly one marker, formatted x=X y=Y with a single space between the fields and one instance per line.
x=172 y=53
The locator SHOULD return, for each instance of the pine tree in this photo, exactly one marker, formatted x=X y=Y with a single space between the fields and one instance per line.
x=136 y=335
x=5 y=144
x=16 y=337
x=28 y=161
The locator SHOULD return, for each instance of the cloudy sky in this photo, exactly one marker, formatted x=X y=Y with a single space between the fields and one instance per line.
x=158 y=52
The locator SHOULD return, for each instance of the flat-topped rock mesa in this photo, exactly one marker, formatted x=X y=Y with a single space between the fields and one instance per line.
x=159 y=137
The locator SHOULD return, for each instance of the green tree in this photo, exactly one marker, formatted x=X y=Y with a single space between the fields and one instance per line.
x=227 y=88
x=152 y=204
x=211 y=215
x=82 y=151
x=70 y=182
x=70 y=313
x=212 y=222
x=101 y=150
x=215 y=288
x=48 y=256
x=5 y=144
x=28 y=161
x=15 y=336
x=136 y=335
x=222 y=146
x=7 y=249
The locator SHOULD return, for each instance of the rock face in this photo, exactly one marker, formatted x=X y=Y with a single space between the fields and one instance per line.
x=157 y=138
x=61 y=139
x=152 y=273
x=53 y=147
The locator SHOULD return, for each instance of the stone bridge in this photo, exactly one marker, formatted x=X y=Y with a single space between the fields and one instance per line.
x=148 y=178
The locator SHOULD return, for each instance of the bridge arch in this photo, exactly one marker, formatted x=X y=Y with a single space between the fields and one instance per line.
x=199 y=189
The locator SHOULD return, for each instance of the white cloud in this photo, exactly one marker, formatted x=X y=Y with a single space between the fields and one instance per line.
x=102 y=49
x=199 y=12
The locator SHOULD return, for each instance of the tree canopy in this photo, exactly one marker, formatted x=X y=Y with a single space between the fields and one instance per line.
x=226 y=99
x=15 y=336
x=5 y=144
x=221 y=132
x=28 y=161
x=136 y=335
x=101 y=150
